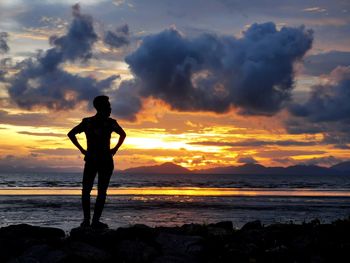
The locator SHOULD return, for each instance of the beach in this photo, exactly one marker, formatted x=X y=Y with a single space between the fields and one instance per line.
x=177 y=218
x=173 y=200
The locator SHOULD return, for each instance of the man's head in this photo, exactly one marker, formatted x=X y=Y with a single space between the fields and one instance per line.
x=102 y=105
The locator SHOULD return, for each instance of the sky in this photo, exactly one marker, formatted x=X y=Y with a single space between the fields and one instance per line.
x=200 y=83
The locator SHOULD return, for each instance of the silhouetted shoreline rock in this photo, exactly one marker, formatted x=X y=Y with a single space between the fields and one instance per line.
x=220 y=242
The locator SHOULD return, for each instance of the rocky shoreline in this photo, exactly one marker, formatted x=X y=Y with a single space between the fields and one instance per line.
x=220 y=242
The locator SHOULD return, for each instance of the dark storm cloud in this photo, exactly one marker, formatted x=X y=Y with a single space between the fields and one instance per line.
x=300 y=126
x=55 y=89
x=256 y=143
x=329 y=102
x=117 y=38
x=76 y=44
x=326 y=62
x=213 y=73
x=326 y=111
x=126 y=102
x=335 y=133
x=42 y=82
x=339 y=139
x=4 y=48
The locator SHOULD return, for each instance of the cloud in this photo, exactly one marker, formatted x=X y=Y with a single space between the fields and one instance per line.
x=315 y=9
x=324 y=63
x=42 y=82
x=55 y=152
x=38 y=162
x=287 y=153
x=340 y=139
x=76 y=44
x=284 y=161
x=214 y=73
x=255 y=143
x=4 y=48
x=246 y=160
x=324 y=161
x=118 y=2
x=117 y=38
x=334 y=133
x=125 y=101
x=320 y=161
x=35 y=86
x=25 y=119
x=327 y=109
x=32 y=12
x=45 y=134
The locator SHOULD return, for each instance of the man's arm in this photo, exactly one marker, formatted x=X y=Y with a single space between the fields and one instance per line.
x=73 y=138
x=119 y=130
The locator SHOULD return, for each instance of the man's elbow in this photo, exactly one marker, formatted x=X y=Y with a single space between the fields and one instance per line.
x=70 y=135
x=123 y=134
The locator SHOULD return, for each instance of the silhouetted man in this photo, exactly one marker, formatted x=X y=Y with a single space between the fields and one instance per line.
x=98 y=156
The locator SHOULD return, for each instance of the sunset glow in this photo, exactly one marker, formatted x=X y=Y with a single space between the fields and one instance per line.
x=214 y=127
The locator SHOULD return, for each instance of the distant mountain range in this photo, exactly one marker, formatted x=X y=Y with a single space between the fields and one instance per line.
x=171 y=168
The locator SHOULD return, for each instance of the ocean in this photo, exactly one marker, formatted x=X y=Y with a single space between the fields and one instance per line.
x=53 y=199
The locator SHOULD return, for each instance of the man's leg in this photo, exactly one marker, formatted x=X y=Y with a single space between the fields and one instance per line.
x=88 y=182
x=105 y=172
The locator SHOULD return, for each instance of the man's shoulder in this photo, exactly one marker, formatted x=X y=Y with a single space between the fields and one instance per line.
x=111 y=119
x=88 y=119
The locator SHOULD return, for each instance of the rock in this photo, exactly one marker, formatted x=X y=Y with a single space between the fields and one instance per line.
x=35 y=232
x=221 y=229
x=218 y=232
x=135 y=251
x=41 y=253
x=278 y=254
x=277 y=249
x=302 y=242
x=172 y=259
x=308 y=242
x=139 y=231
x=186 y=246
x=194 y=229
x=315 y=222
x=98 y=238
x=280 y=234
x=16 y=239
x=252 y=225
x=227 y=225
x=82 y=252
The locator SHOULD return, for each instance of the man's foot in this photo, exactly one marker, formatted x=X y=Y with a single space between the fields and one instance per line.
x=85 y=224
x=99 y=225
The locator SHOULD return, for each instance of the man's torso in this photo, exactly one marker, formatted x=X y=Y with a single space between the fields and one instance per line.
x=98 y=135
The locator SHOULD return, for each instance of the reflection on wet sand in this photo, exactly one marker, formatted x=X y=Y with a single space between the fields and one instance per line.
x=187 y=191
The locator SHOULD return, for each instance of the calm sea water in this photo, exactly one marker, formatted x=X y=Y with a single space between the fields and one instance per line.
x=168 y=200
